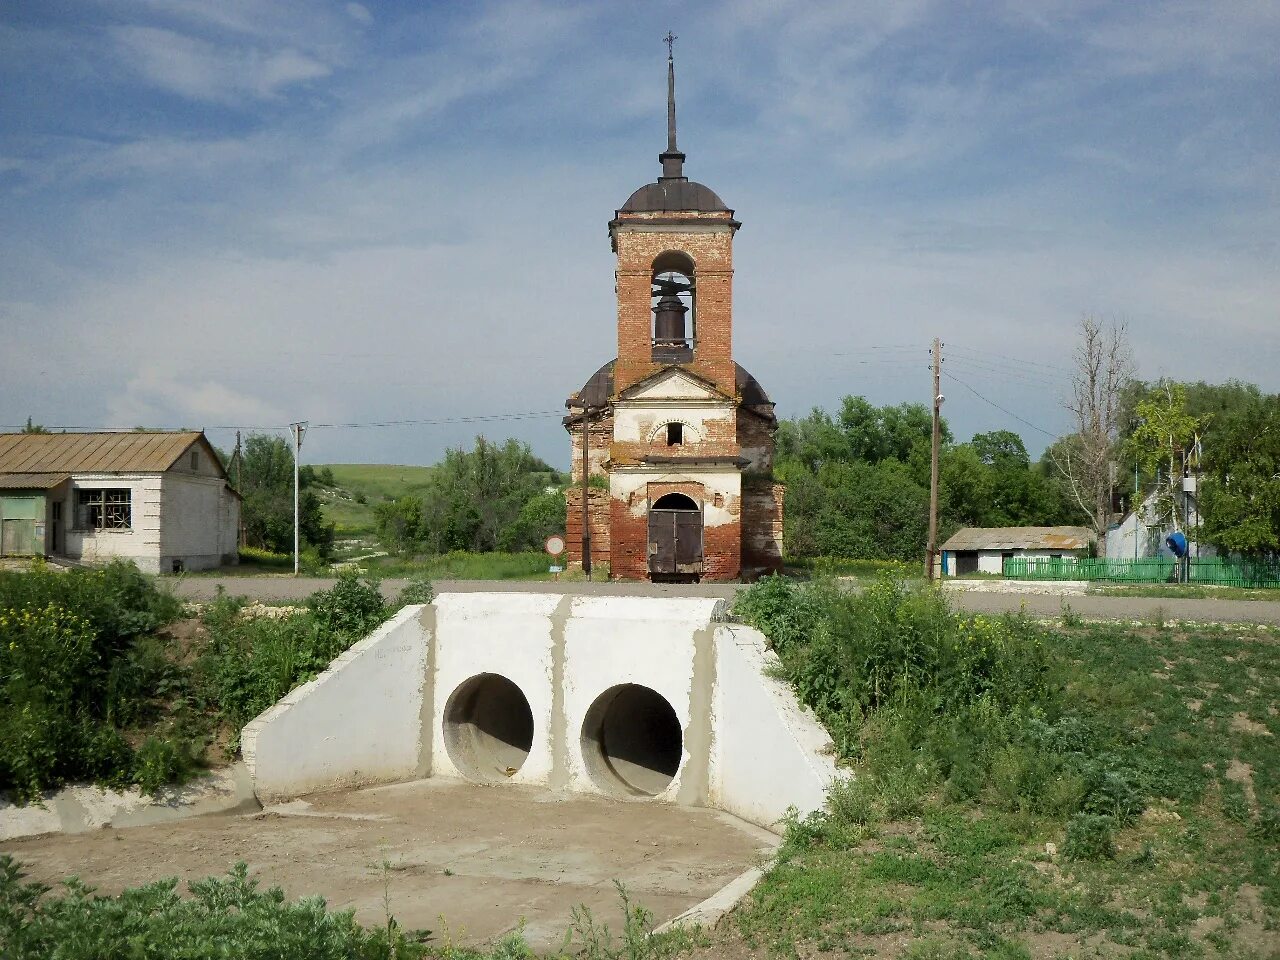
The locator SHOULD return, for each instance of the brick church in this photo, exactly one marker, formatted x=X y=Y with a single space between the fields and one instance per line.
x=679 y=437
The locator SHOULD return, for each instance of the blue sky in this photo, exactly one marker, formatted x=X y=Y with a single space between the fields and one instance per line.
x=248 y=212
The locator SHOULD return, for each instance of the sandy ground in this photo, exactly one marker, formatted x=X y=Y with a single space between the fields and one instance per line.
x=1146 y=609
x=472 y=861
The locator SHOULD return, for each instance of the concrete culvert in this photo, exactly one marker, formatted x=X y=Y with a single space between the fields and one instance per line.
x=631 y=741
x=488 y=728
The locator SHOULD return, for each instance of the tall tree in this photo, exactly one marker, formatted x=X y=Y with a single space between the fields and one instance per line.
x=1103 y=366
x=267 y=511
x=1160 y=445
x=1240 y=492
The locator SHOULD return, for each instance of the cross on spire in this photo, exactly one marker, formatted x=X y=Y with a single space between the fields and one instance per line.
x=672 y=159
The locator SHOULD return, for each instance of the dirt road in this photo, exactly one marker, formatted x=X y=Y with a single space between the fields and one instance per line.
x=472 y=861
x=1146 y=609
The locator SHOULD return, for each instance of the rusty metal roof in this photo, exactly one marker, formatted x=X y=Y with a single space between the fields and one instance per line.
x=674 y=194
x=32 y=481
x=1020 y=538
x=136 y=452
x=599 y=389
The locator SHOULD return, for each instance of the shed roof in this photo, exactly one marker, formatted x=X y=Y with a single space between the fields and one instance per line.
x=31 y=481
x=134 y=452
x=1020 y=538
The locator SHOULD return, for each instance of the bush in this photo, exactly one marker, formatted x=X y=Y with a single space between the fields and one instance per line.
x=1090 y=837
x=75 y=661
x=250 y=663
x=923 y=699
x=224 y=917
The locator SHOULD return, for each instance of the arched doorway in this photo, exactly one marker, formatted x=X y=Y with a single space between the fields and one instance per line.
x=675 y=538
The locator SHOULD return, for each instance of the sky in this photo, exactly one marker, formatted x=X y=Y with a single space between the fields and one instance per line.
x=243 y=213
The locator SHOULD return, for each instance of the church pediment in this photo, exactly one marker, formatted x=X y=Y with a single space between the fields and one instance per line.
x=673 y=383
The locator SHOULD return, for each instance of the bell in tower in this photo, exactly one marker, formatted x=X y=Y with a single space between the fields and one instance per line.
x=668 y=322
x=670 y=318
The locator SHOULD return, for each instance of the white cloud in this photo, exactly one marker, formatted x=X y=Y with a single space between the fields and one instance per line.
x=152 y=398
x=359 y=13
x=202 y=70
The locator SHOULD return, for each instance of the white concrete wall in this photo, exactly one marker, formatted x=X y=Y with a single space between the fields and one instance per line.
x=140 y=543
x=360 y=721
x=653 y=643
x=770 y=752
x=642 y=422
x=475 y=635
x=378 y=713
x=195 y=520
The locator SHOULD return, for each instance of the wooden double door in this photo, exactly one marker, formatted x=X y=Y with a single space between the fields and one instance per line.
x=675 y=538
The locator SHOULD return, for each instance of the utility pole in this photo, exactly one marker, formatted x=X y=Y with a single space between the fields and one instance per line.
x=238 y=459
x=298 y=430
x=586 y=492
x=932 y=550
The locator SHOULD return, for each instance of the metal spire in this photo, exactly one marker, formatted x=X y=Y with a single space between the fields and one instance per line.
x=672 y=159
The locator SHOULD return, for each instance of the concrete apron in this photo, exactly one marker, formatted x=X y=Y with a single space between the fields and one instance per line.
x=79 y=809
x=637 y=698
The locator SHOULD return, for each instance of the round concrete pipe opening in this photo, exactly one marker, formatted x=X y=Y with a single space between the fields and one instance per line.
x=488 y=728
x=631 y=741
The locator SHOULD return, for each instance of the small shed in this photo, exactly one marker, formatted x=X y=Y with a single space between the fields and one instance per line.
x=985 y=549
x=160 y=499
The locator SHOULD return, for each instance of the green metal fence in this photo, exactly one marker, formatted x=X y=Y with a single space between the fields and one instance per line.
x=1210 y=570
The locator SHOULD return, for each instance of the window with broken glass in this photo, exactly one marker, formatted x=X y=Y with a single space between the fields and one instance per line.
x=104 y=510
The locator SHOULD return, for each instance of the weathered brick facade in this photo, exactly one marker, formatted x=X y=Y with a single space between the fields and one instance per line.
x=674 y=414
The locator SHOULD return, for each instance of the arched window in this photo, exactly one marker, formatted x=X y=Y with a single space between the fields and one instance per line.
x=674 y=305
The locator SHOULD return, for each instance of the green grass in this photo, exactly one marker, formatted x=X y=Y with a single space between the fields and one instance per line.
x=1186 y=591
x=461 y=565
x=849 y=567
x=374 y=482
x=1124 y=804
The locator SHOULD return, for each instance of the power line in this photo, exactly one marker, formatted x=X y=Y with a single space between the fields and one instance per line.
x=478 y=418
x=1004 y=356
x=986 y=369
x=475 y=418
x=1009 y=412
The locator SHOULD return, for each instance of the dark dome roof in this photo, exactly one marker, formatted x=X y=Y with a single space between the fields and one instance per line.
x=674 y=193
x=597 y=390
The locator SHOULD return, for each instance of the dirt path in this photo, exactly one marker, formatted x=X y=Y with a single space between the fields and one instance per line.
x=481 y=858
x=1147 y=609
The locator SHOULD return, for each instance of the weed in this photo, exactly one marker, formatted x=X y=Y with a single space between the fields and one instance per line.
x=1070 y=619
x=223 y=916
x=1090 y=836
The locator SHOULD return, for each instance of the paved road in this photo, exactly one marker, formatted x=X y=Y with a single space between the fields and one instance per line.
x=1148 y=609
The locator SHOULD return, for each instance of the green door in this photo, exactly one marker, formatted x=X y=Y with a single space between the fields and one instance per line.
x=19 y=517
x=17 y=538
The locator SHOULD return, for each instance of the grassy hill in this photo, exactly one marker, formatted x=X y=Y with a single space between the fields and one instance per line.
x=358 y=487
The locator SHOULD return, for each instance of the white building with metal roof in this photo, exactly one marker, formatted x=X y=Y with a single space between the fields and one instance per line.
x=985 y=549
x=160 y=499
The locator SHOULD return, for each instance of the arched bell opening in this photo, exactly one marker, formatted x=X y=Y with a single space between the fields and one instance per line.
x=674 y=305
x=675 y=539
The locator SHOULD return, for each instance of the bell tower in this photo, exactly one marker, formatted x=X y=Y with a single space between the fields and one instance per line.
x=673 y=441
x=674 y=244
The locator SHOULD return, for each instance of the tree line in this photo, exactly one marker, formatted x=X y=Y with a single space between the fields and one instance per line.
x=857 y=483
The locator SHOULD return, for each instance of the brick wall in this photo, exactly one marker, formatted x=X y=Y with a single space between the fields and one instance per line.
x=762 y=529
x=712 y=253
x=599 y=436
x=598 y=512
